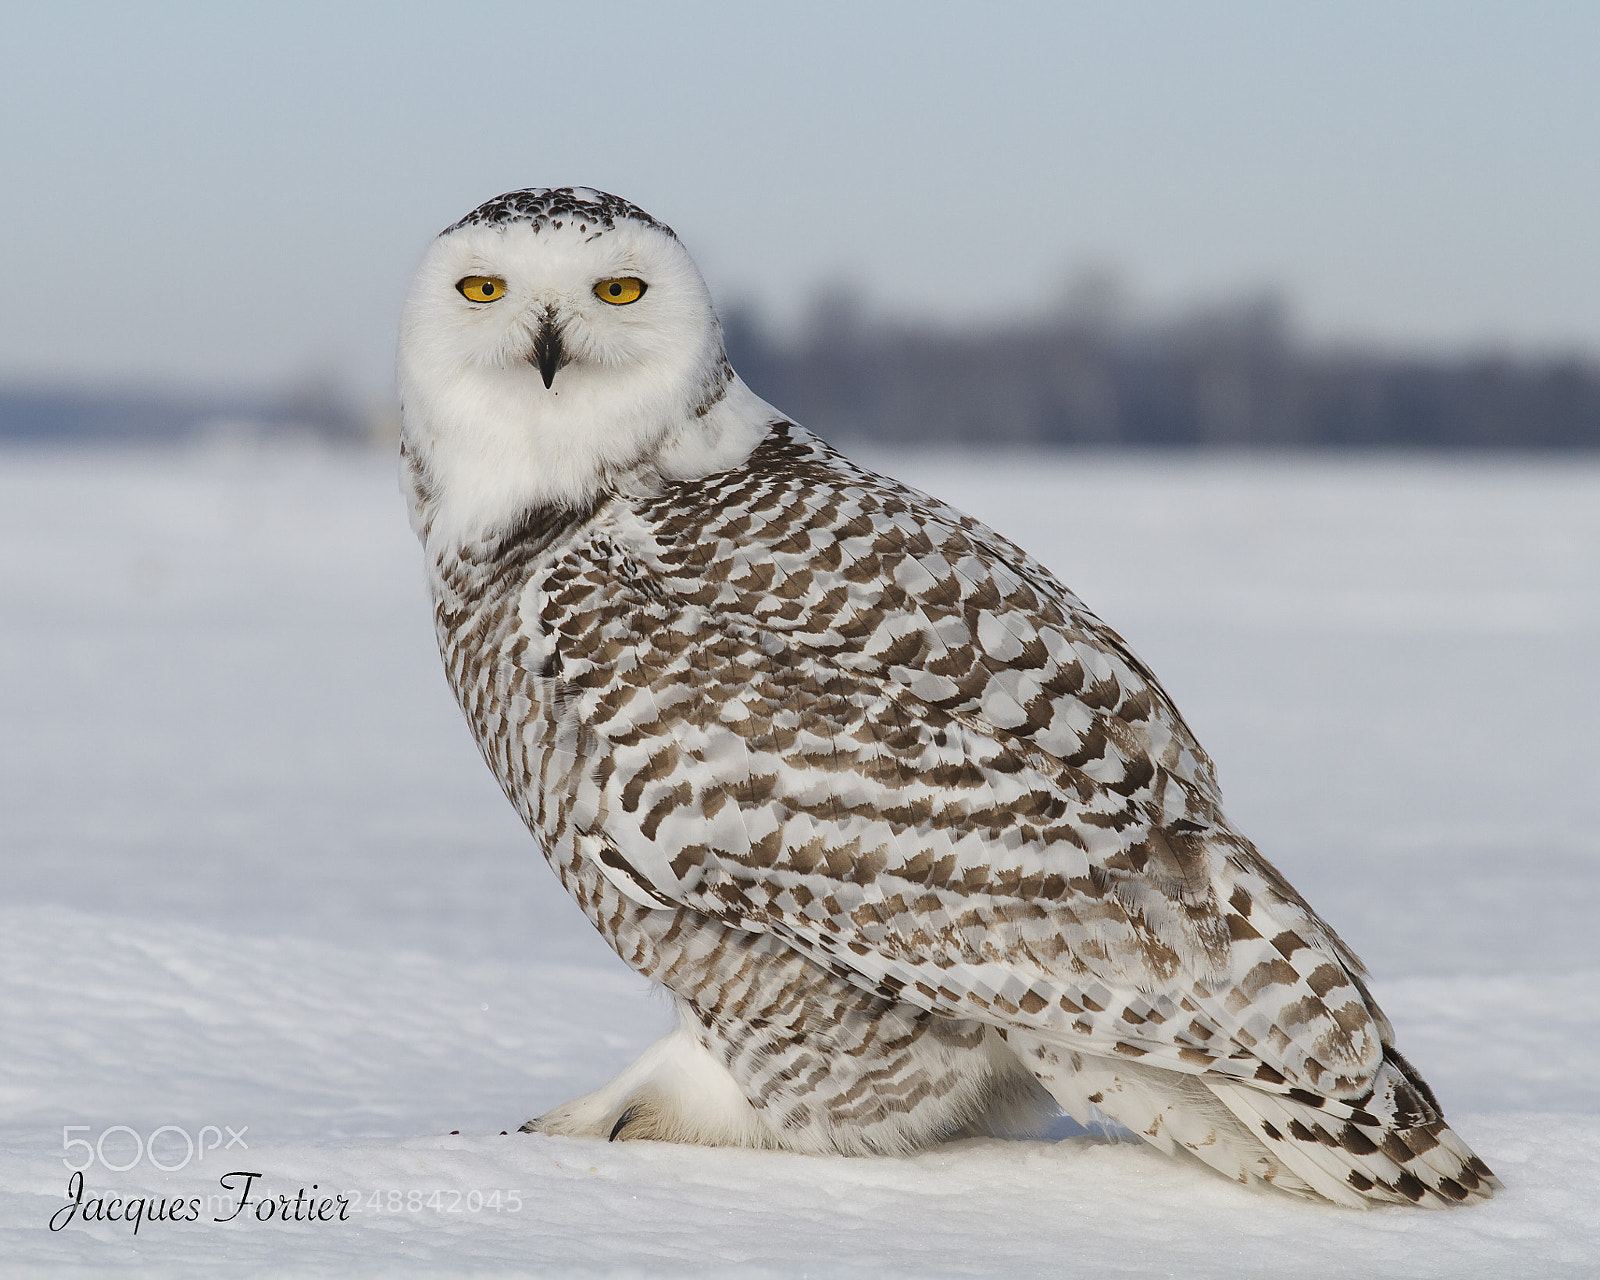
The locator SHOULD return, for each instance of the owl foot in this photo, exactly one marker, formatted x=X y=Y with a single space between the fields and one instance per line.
x=675 y=1092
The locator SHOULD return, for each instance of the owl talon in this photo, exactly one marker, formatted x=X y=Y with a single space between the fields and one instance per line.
x=621 y=1124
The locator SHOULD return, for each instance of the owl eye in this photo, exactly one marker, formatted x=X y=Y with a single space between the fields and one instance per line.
x=621 y=291
x=481 y=288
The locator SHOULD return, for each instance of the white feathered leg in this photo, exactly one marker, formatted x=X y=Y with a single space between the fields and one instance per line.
x=674 y=1092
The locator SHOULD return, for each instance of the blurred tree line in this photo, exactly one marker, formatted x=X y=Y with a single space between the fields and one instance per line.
x=1228 y=376
x=318 y=409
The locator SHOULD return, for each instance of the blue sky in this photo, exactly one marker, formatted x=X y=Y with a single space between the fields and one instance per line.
x=236 y=195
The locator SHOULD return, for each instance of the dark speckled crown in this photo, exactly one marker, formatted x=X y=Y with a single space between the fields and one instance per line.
x=593 y=211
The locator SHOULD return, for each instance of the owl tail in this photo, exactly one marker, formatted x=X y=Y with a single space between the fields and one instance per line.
x=1392 y=1147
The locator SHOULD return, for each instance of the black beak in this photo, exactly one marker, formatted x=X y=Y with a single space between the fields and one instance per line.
x=547 y=352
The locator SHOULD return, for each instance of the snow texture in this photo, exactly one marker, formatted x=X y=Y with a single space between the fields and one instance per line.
x=256 y=876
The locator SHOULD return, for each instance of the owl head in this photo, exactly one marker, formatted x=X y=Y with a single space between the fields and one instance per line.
x=556 y=341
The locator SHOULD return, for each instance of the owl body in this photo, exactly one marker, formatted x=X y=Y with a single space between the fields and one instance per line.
x=917 y=843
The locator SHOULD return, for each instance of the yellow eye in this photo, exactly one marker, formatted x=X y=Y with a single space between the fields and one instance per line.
x=621 y=291
x=482 y=288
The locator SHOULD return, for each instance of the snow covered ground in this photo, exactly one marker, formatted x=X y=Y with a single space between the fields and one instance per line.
x=253 y=876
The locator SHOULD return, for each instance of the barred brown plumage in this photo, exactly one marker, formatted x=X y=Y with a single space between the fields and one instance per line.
x=916 y=841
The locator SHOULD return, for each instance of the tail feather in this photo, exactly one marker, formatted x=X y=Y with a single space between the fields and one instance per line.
x=1171 y=1111
x=1392 y=1146
x=1307 y=1148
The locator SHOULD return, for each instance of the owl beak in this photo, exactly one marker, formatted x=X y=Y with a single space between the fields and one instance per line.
x=548 y=353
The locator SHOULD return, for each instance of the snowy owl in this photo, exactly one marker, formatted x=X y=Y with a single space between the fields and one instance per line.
x=918 y=845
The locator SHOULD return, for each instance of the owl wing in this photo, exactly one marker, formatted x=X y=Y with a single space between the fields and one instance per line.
x=928 y=768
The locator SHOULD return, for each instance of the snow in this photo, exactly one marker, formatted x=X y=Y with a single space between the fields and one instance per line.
x=256 y=878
